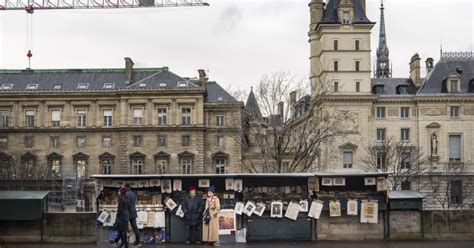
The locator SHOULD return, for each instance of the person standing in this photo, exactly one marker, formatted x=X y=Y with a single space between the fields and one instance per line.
x=192 y=207
x=123 y=216
x=133 y=214
x=210 y=231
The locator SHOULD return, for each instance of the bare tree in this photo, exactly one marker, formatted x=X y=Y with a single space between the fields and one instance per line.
x=293 y=128
x=22 y=166
x=403 y=161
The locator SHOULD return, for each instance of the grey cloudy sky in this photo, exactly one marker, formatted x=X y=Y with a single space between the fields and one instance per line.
x=237 y=41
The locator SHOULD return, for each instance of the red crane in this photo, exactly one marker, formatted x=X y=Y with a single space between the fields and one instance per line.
x=31 y=5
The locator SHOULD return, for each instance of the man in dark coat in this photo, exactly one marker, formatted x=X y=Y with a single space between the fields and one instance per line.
x=123 y=216
x=193 y=207
x=133 y=214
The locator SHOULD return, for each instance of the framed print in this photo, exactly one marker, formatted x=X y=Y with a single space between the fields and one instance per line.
x=382 y=184
x=326 y=181
x=227 y=223
x=292 y=211
x=103 y=217
x=316 y=209
x=369 y=212
x=238 y=185
x=304 y=206
x=180 y=212
x=204 y=183
x=144 y=184
x=338 y=181
x=352 y=207
x=166 y=186
x=239 y=208
x=155 y=183
x=177 y=185
x=276 y=210
x=369 y=181
x=170 y=204
x=260 y=209
x=334 y=209
x=313 y=184
x=249 y=208
x=229 y=184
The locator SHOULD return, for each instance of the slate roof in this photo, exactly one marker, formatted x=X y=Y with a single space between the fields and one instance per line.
x=436 y=79
x=391 y=86
x=69 y=80
x=23 y=194
x=330 y=13
x=251 y=107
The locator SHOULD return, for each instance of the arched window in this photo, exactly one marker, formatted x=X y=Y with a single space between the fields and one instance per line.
x=54 y=164
x=29 y=168
x=106 y=162
x=5 y=166
x=186 y=161
x=81 y=161
x=220 y=161
x=137 y=161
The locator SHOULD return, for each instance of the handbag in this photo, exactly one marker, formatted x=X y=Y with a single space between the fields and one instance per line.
x=206 y=217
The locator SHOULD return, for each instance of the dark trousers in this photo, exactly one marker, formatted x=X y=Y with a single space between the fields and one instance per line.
x=133 y=223
x=192 y=233
x=123 y=236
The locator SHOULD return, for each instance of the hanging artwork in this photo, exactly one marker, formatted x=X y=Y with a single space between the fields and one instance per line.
x=177 y=185
x=334 y=208
x=180 y=212
x=229 y=184
x=382 y=184
x=144 y=184
x=249 y=208
x=227 y=223
x=369 y=181
x=316 y=209
x=239 y=208
x=166 y=186
x=142 y=217
x=369 y=212
x=260 y=209
x=160 y=219
x=276 y=210
x=204 y=183
x=313 y=184
x=352 y=207
x=170 y=204
x=155 y=182
x=304 y=206
x=151 y=219
x=103 y=217
x=238 y=185
x=326 y=181
x=339 y=181
x=292 y=211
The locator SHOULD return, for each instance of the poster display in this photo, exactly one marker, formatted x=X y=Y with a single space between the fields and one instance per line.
x=249 y=208
x=229 y=184
x=313 y=184
x=239 y=208
x=260 y=209
x=292 y=211
x=177 y=185
x=369 y=212
x=352 y=207
x=227 y=222
x=382 y=184
x=316 y=209
x=276 y=210
x=334 y=208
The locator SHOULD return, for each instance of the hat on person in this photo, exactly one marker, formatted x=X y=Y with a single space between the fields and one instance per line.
x=192 y=188
x=212 y=189
x=123 y=190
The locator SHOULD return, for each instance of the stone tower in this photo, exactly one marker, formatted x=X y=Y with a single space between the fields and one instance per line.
x=383 y=67
x=339 y=38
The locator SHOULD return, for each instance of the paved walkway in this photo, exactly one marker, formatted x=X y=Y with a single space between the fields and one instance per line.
x=321 y=244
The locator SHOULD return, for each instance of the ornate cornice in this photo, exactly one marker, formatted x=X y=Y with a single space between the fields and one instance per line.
x=114 y=92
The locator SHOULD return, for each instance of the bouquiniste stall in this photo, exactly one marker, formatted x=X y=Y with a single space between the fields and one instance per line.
x=296 y=205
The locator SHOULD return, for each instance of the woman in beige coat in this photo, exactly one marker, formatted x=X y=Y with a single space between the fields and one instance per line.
x=210 y=231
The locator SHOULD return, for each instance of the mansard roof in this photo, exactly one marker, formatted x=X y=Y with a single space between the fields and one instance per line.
x=330 y=13
x=435 y=81
x=391 y=86
x=68 y=80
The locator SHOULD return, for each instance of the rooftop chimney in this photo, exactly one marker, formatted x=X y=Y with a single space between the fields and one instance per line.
x=292 y=102
x=280 y=109
x=128 y=69
x=429 y=64
x=202 y=77
x=415 y=70
x=362 y=2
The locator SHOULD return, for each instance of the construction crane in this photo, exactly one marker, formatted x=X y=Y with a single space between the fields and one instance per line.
x=31 y=5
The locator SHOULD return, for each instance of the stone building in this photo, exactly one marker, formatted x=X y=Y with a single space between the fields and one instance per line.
x=434 y=114
x=80 y=122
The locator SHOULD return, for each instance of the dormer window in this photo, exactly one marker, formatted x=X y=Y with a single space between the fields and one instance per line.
x=345 y=17
x=31 y=86
x=142 y=85
x=378 y=89
x=109 y=85
x=82 y=86
x=453 y=86
x=182 y=84
x=7 y=86
x=402 y=90
x=162 y=84
x=57 y=86
x=219 y=98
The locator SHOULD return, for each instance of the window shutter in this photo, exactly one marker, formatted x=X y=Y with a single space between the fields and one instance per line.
x=55 y=115
x=454 y=146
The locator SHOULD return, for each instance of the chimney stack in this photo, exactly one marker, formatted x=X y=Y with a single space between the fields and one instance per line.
x=128 y=69
x=202 y=77
x=429 y=64
x=362 y=2
x=292 y=102
x=415 y=69
x=280 y=109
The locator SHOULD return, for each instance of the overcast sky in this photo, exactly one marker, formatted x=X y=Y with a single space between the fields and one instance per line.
x=236 y=40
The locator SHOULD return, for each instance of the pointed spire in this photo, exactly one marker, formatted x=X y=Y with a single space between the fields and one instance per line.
x=383 y=69
x=252 y=109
